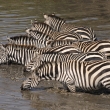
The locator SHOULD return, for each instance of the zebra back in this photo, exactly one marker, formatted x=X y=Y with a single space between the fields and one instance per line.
x=65 y=36
x=102 y=46
x=87 y=33
x=62 y=49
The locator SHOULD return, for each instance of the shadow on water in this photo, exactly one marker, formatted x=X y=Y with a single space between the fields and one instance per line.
x=15 y=16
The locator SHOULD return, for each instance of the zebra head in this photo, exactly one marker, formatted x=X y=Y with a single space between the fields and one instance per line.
x=34 y=63
x=31 y=82
x=54 y=21
x=3 y=54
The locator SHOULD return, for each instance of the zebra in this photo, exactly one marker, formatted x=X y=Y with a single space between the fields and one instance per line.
x=60 y=25
x=42 y=58
x=101 y=45
x=53 y=43
x=88 y=76
x=62 y=49
x=37 y=35
x=24 y=40
x=65 y=36
x=41 y=27
x=23 y=54
x=3 y=54
x=18 y=54
x=54 y=21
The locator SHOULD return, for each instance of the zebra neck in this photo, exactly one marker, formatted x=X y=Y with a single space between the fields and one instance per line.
x=48 y=71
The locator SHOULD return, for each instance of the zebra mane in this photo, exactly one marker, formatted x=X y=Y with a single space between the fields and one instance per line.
x=18 y=36
x=21 y=46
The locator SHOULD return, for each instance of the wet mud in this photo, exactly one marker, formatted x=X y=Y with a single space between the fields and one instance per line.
x=49 y=95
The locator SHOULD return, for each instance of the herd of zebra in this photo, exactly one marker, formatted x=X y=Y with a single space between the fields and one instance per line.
x=57 y=50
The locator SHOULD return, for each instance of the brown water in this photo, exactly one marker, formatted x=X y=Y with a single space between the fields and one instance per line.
x=15 y=16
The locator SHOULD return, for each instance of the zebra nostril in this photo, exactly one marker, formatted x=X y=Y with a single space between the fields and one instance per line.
x=22 y=87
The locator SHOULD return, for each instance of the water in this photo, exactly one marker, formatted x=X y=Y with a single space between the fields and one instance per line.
x=15 y=16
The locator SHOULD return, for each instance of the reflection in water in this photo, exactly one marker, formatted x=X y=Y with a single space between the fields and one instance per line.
x=68 y=101
x=15 y=16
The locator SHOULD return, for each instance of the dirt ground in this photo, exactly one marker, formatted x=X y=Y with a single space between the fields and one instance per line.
x=49 y=95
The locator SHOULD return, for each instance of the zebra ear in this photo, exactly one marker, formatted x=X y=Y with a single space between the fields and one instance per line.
x=53 y=13
x=35 y=20
x=2 y=47
x=45 y=16
x=11 y=41
x=32 y=22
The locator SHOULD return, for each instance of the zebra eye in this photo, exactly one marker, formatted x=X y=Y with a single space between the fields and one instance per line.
x=30 y=78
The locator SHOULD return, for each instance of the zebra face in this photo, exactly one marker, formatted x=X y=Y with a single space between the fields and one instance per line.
x=47 y=19
x=28 y=31
x=46 y=16
x=34 y=63
x=31 y=82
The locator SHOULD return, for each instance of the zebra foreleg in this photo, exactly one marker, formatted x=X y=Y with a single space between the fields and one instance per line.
x=71 y=88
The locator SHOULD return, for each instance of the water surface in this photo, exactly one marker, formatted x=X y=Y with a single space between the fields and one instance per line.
x=15 y=16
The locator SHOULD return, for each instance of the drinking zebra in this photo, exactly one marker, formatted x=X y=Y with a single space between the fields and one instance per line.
x=87 y=76
x=60 y=25
x=24 y=40
x=23 y=54
x=42 y=58
x=37 y=35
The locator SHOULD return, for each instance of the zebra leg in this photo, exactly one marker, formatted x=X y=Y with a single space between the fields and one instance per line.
x=31 y=82
x=106 y=84
x=71 y=87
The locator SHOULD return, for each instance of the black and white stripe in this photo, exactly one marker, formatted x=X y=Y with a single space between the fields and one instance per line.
x=87 y=76
x=101 y=45
x=37 y=35
x=41 y=27
x=42 y=58
x=60 y=25
x=24 y=40
x=65 y=36
x=23 y=54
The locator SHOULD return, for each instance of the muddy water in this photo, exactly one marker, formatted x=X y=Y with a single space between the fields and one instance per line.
x=15 y=16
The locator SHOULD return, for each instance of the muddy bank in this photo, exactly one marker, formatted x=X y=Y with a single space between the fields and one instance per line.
x=44 y=97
